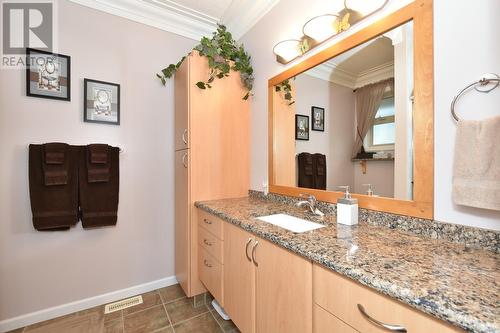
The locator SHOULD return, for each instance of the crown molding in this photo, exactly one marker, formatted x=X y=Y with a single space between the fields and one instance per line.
x=170 y=16
x=242 y=15
x=187 y=24
x=375 y=74
x=330 y=72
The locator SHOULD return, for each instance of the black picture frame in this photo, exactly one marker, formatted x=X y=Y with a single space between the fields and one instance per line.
x=90 y=116
x=302 y=132
x=31 y=89
x=317 y=125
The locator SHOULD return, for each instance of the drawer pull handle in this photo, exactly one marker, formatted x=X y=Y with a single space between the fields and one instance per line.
x=208 y=265
x=207 y=221
x=184 y=160
x=253 y=254
x=392 y=328
x=246 y=249
x=207 y=242
x=184 y=139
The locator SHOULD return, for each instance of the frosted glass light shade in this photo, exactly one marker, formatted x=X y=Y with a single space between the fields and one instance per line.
x=364 y=7
x=288 y=49
x=320 y=28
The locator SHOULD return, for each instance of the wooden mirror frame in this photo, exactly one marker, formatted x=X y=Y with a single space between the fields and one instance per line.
x=421 y=13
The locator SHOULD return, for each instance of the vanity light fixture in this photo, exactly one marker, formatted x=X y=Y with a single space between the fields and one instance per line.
x=323 y=27
x=364 y=7
x=320 y=28
x=287 y=50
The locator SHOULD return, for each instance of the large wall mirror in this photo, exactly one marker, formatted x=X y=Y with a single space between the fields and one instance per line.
x=360 y=114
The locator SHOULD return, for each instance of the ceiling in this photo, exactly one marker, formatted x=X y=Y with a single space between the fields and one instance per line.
x=189 y=18
x=366 y=63
x=366 y=57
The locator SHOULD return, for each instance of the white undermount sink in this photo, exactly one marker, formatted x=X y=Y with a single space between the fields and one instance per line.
x=291 y=223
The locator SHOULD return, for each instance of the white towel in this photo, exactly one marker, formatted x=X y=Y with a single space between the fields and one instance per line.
x=476 y=170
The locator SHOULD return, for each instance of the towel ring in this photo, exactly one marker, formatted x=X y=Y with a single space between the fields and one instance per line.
x=479 y=86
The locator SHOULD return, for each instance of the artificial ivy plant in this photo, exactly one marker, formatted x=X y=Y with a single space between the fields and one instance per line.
x=223 y=54
x=286 y=87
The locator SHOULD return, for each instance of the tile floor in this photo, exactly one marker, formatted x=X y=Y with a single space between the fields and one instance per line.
x=165 y=310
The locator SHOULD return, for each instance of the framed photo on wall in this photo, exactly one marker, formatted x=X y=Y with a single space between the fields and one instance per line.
x=101 y=102
x=318 y=118
x=48 y=75
x=301 y=127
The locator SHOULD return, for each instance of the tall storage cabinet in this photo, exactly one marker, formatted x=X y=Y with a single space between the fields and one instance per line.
x=212 y=158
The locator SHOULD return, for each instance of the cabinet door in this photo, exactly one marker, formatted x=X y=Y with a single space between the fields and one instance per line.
x=283 y=289
x=182 y=225
x=326 y=322
x=239 y=278
x=181 y=121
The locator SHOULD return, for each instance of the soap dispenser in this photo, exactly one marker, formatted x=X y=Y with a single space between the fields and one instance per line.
x=347 y=208
x=369 y=191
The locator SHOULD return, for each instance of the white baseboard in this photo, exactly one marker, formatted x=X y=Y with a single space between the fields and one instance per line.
x=61 y=310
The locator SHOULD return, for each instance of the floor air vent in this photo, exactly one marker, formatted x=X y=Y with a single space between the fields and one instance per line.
x=123 y=304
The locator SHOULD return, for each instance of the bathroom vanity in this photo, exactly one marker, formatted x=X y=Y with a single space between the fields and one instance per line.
x=340 y=278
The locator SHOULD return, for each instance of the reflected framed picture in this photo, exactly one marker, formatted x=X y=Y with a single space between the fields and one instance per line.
x=48 y=75
x=301 y=127
x=101 y=102
x=318 y=118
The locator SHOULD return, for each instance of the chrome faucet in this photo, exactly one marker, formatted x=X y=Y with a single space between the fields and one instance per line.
x=310 y=203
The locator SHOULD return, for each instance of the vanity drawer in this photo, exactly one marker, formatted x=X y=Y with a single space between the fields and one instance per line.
x=323 y=321
x=210 y=243
x=210 y=272
x=340 y=296
x=211 y=223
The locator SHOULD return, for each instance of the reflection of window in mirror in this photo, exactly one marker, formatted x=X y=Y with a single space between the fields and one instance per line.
x=382 y=134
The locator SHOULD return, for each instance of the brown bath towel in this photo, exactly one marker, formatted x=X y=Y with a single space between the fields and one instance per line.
x=99 y=185
x=53 y=182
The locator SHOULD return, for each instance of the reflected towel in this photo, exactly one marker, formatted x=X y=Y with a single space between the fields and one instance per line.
x=476 y=170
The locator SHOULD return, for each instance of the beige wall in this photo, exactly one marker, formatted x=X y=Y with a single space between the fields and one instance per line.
x=457 y=62
x=337 y=140
x=44 y=269
x=378 y=173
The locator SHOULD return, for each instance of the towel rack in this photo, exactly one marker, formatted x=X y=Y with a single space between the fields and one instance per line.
x=479 y=86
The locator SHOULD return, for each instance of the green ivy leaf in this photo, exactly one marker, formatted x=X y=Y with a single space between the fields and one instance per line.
x=220 y=49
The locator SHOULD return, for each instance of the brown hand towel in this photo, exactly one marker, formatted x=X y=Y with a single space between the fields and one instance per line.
x=476 y=169
x=99 y=188
x=98 y=163
x=53 y=182
x=55 y=163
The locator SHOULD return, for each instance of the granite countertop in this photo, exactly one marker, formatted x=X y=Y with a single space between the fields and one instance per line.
x=457 y=284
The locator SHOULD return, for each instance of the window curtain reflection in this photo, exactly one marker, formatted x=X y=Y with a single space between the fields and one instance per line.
x=368 y=100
